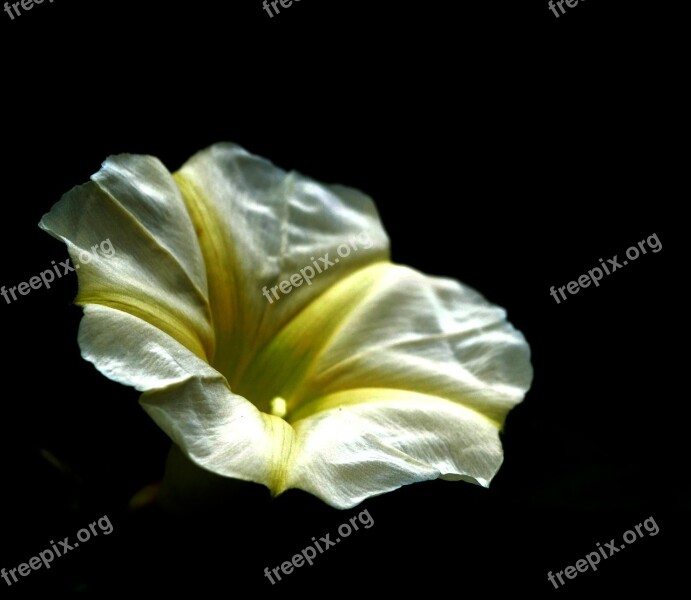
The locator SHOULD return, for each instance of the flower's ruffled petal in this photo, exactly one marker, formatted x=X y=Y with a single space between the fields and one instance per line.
x=258 y=226
x=188 y=399
x=389 y=326
x=156 y=271
x=376 y=440
x=413 y=382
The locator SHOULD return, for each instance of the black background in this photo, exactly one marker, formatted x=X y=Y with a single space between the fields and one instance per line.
x=504 y=147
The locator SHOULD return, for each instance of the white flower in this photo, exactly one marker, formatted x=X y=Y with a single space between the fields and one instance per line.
x=369 y=377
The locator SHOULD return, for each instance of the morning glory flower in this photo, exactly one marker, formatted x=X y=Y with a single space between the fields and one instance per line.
x=272 y=338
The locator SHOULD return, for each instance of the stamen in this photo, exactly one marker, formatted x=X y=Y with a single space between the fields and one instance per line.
x=279 y=407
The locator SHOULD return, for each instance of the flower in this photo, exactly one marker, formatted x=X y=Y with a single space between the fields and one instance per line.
x=367 y=377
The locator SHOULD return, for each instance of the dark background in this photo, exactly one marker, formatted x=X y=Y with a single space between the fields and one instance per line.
x=504 y=147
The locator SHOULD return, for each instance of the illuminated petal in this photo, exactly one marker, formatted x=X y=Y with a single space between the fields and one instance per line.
x=408 y=331
x=156 y=271
x=376 y=440
x=410 y=379
x=187 y=398
x=258 y=225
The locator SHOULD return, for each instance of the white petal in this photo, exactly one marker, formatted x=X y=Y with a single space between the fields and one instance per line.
x=259 y=226
x=392 y=327
x=156 y=270
x=414 y=382
x=188 y=399
x=389 y=439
